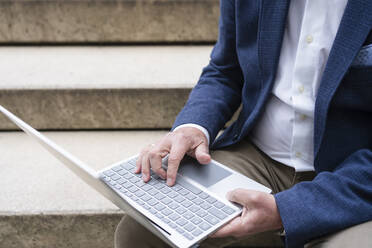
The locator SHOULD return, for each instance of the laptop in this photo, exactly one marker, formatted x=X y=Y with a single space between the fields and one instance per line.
x=182 y=215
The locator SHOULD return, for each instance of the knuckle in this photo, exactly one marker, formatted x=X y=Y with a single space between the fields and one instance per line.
x=173 y=160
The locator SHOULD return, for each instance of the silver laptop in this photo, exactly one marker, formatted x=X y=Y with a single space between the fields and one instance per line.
x=182 y=215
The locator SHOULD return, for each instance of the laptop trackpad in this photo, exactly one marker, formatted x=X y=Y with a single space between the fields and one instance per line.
x=204 y=174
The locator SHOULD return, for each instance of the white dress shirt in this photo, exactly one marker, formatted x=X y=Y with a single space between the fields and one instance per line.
x=285 y=130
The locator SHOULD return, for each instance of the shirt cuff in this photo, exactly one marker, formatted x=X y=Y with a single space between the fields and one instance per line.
x=205 y=131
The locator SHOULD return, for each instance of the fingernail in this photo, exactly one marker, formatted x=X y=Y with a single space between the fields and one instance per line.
x=169 y=181
x=143 y=177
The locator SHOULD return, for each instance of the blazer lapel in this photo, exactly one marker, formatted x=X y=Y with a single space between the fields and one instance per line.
x=271 y=29
x=354 y=28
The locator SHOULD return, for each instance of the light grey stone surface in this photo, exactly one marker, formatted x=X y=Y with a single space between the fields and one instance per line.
x=98 y=87
x=33 y=181
x=35 y=21
x=44 y=205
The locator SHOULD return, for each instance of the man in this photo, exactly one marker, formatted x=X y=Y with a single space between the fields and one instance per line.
x=302 y=72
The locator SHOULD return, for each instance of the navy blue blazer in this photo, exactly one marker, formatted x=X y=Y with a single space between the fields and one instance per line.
x=242 y=71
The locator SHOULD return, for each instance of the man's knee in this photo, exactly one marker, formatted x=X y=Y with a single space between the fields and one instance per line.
x=355 y=236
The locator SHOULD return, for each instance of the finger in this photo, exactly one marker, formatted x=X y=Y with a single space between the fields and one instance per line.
x=155 y=157
x=176 y=154
x=145 y=168
x=230 y=229
x=138 y=164
x=239 y=196
x=202 y=153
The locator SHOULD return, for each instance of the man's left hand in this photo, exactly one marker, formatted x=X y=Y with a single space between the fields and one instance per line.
x=260 y=214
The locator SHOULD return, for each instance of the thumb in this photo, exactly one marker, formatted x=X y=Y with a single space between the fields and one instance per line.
x=202 y=153
x=237 y=196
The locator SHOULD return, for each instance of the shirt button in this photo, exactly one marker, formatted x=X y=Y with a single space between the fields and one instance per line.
x=301 y=88
x=309 y=39
x=298 y=154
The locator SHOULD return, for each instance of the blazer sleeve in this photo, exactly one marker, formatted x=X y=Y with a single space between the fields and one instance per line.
x=332 y=201
x=217 y=94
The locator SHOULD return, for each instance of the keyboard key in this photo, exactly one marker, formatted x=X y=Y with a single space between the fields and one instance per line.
x=117 y=186
x=197 y=232
x=181 y=210
x=152 y=182
x=132 y=189
x=121 y=181
x=190 y=196
x=172 y=194
x=127 y=185
x=204 y=195
x=196 y=220
x=123 y=190
x=211 y=200
x=179 y=199
x=122 y=172
x=115 y=177
x=166 y=201
x=188 y=215
x=107 y=179
x=153 y=211
x=204 y=226
x=180 y=230
x=159 y=215
x=217 y=213
x=194 y=208
x=128 y=176
x=140 y=202
x=171 y=224
x=219 y=204
x=205 y=205
x=140 y=193
x=109 y=173
x=159 y=207
x=134 y=179
x=198 y=201
x=152 y=192
x=228 y=210
x=190 y=227
x=181 y=222
x=145 y=197
x=152 y=202
x=112 y=183
x=201 y=213
x=183 y=192
x=166 y=221
x=146 y=207
x=159 y=196
x=176 y=187
x=165 y=190
x=166 y=211
x=146 y=187
x=116 y=168
x=127 y=166
x=211 y=219
x=174 y=217
x=159 y=186
x=186 y=204
x=188 y=236
x=134 y=198
x=173 y=205
x=140 y=183
x=189 y=186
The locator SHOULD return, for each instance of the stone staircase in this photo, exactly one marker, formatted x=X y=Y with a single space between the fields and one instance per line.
x=101 y=78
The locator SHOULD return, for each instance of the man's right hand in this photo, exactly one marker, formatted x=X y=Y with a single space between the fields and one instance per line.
x=185 y=140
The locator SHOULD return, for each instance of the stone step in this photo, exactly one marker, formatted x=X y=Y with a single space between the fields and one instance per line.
x=43 y=204
x=98 y=87
x=107 y=21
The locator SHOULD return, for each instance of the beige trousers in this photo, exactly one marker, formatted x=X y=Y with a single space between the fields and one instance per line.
x=250 y=161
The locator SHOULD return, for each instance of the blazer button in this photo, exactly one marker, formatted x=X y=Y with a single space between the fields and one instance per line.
x=236 y=136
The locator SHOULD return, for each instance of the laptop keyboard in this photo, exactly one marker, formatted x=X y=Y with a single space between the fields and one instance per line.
x=183 y=207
